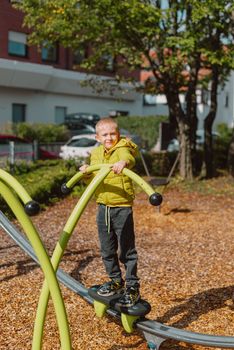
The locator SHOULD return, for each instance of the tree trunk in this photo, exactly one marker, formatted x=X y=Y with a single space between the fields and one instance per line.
x=208 y=123
x=185 y=155
x=191 y=110
x=176 y=111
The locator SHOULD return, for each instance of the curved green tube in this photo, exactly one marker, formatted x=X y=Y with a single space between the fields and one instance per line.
x=43 y=258
x=104 y=169
x=139 y=181
x=136 y=178
x=78 y=176
x=15 y=185
x=61 y=246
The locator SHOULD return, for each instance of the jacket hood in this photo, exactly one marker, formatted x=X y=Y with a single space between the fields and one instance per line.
x=125 y=142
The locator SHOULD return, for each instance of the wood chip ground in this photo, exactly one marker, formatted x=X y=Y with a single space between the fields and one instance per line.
x=186 y=268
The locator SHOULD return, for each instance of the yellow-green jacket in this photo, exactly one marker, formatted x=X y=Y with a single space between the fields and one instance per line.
x=116 y=189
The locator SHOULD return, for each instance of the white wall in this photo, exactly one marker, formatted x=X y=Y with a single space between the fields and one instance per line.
x=40 y=106
x=42 y=88
x=225 y=112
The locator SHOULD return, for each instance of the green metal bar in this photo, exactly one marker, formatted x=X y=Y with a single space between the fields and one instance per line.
x=136 y=178
x=61 y=246
x=45 y=263
x=140 y=182
x=79 y=175
x=15 y=185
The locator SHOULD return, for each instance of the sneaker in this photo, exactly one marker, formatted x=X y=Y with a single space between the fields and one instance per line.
x=110 y=288
x=130 y=297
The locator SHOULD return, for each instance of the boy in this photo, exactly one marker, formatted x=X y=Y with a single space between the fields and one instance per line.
x=114 y=217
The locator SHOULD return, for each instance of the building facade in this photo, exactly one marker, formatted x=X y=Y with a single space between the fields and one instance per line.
x=44 y=86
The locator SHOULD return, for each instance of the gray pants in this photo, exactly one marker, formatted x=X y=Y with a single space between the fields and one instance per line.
x=116 y=230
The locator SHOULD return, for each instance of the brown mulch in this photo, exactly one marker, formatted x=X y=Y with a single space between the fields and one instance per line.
x=185 y=265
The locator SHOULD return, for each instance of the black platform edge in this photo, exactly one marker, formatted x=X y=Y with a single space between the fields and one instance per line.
x=141 y=308
x=158 y=182
x=110 y=300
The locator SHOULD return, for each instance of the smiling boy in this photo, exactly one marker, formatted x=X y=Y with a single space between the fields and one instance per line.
x=115 y=197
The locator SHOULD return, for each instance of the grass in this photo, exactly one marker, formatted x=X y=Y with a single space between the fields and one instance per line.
x=218 y=186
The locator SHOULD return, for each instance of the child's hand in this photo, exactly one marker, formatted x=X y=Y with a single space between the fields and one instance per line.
x=118 y=166
x=83 y=168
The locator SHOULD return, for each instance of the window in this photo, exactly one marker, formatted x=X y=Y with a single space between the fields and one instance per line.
x=107 y=63
x=79 y=56
x=115 y=113
x=49 y=53
x=226 y=102
x=18 y=113
x=60 y=113
x=17 y=44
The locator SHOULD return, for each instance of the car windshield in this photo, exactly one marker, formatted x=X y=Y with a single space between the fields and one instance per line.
x=82 y=142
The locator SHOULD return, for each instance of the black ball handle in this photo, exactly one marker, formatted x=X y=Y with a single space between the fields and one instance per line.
x=65 y=189
x=155 y=199
x=32 y=208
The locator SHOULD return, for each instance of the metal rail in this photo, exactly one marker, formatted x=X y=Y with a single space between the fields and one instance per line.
x=154 y=332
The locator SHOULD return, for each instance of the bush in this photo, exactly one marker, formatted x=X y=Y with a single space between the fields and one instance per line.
x=231 y=157
x=147 y=127
x=221 y=146
x=43 y=179
x=41 y=132
x=158 y=164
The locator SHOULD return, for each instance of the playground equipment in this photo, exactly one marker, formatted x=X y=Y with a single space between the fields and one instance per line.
x=129 y=315
x=7 y=184
x=159 y=181
x=154 y=332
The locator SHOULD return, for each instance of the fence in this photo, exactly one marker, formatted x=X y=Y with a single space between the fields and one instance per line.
x=53 y=147
x=14 y=152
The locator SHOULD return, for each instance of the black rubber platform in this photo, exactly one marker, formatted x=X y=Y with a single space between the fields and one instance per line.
x=141 y=308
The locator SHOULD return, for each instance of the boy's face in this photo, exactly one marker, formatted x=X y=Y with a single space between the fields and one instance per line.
x=108 y=135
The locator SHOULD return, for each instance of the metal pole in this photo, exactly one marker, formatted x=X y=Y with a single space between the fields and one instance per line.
x=144 y=164
x=35 y=150
x=12 y=156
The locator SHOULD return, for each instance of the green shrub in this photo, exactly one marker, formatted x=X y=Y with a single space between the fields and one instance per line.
x=225 y=132
x=221 y=146
x=41 y=132
x=147 y=127
x=158 y=164
x=43 y=180
x=162 y=163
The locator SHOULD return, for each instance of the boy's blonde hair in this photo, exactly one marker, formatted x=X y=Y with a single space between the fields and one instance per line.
x=106 y=121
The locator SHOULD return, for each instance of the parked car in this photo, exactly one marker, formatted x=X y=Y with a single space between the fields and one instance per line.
x=23 y=148
x=82 y=129
x=82 y=145
x=78 y=146
x=73 y=120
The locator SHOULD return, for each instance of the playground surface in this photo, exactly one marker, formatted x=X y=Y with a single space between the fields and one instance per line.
x=185 y=265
